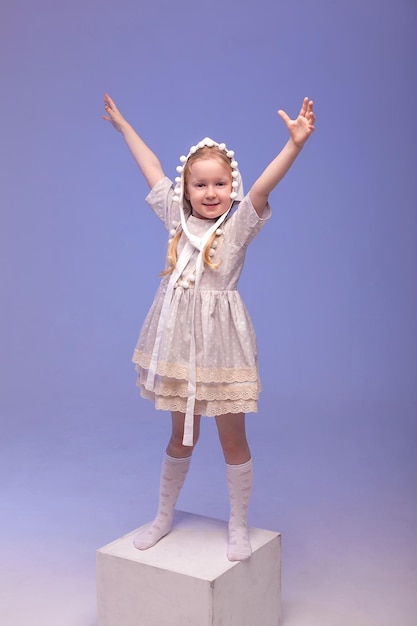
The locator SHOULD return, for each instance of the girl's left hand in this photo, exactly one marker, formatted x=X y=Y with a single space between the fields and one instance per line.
x=301 y=128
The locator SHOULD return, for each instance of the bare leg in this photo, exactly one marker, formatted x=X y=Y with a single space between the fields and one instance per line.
x=232 y=435
x=174 y=471
x=175 y=446
x=239 y=472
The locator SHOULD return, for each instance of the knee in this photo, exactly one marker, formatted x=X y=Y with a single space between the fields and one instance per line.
x=235 y=452
x=230 y=447
x=177 y=449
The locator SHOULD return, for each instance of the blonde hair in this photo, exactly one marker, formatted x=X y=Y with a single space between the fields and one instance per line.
x=207 y=152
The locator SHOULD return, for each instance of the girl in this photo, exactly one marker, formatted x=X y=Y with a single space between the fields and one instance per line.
x=196 y=354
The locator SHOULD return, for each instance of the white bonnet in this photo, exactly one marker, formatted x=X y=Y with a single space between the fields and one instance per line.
x=237 y=184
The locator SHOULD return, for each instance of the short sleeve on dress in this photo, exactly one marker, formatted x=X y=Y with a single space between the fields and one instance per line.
x=247 y=223
x=160 y=200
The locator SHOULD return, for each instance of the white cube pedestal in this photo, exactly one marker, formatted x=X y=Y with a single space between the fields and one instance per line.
x=187 y=580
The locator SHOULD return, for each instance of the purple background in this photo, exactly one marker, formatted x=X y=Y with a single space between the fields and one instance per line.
x=330 y=284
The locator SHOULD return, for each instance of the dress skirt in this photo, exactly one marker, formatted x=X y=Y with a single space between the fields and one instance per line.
x=227 y=378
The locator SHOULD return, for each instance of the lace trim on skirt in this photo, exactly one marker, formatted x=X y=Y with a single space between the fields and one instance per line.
x=202 y=407
x=205 y=391
x=203 y=374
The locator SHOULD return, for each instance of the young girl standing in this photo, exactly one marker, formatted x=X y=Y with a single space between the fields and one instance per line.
x=196 y=354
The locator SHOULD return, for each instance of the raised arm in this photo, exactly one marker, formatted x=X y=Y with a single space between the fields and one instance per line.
x=147 y=161
x=300 y=130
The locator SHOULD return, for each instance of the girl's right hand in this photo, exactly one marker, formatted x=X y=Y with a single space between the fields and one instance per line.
x=113 y=114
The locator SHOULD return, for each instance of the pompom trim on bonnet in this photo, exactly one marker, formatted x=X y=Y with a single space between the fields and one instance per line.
x=237 y=184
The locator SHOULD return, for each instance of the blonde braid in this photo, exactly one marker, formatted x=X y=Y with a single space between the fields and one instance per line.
x=206 y=256
x=172 y=253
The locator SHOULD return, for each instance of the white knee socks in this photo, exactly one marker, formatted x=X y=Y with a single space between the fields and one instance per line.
x=239 y=482
x=173 y=475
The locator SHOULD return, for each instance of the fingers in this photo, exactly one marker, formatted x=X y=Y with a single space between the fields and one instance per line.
x=304 y=107
x=311 y=118
x=284 y=116
x=109 y=108
x=307 y=112
x=109 y=105
x=109 y=101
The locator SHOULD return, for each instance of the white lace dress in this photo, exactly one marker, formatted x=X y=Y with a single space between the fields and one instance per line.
x=226 y=366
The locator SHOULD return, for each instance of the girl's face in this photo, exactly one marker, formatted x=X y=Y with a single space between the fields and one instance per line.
x=208 y=187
